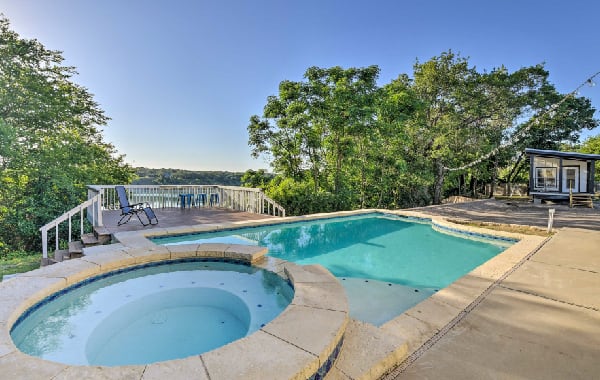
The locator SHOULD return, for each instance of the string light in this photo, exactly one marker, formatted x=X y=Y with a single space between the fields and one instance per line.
x=551 y=111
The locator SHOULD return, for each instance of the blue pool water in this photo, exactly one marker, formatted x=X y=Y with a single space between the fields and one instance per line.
x=152 y=314
x=386 y=263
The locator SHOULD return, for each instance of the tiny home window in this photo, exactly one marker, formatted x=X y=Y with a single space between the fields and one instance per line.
x=545 y=178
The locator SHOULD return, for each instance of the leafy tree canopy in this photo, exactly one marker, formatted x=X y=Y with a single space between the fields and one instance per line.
x=591 y=145
x=338 y=137
x=51 y=146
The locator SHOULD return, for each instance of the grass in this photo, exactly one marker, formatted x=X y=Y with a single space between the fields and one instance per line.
x=19 y=263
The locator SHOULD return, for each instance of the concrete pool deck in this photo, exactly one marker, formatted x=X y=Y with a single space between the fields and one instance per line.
x=527 y=313
x=540 y=322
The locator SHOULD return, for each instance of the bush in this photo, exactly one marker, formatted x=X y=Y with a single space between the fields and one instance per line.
x=299 y=198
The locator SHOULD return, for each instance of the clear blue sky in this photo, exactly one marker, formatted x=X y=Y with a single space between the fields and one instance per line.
x=180 y=79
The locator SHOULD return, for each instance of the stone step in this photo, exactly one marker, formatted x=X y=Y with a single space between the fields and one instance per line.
x=102 y=234
x=75 y=247
x=60 y=255
x=89 y=240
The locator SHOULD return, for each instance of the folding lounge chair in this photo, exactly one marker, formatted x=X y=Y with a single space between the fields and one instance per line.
x=128 y=210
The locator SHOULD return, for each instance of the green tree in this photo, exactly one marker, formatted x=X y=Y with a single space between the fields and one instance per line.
x=467 y=115
x=343 y=106
x=317 y=130
x=394 y=171
x=256 y=178
x=591 y=145
x=52 y=146
x=339 y=138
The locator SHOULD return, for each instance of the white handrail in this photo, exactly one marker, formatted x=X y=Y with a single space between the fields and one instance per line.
x=163 y=196
x=94 y=215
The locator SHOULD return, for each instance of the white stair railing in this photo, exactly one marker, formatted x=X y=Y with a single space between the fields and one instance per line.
x=90 y=209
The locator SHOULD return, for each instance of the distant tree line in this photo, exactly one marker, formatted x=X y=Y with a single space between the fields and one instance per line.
x=148 y=176
x=337 y=140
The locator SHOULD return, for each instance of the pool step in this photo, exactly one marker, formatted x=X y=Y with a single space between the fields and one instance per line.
x=367 y=353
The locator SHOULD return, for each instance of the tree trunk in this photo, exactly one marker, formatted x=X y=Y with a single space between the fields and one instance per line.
x=363 y=176
x=338 y=166
x=494 y=177
x=438 y=182
x=473 y=186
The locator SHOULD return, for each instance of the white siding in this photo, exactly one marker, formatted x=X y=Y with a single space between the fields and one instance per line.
x=583 y=174
x=550 y=184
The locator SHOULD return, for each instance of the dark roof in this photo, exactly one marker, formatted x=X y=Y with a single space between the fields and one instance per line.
x=556 y=153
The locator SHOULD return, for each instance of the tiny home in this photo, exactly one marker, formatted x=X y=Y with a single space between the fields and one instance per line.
x=554 y=175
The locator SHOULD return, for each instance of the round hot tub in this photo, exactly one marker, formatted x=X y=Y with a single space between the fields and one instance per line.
x=152 y=313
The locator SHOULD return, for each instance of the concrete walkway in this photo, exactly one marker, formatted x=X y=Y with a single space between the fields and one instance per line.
x=541 y=322
x=523 y=213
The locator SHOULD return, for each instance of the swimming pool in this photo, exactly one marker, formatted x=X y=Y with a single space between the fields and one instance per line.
x=151 y=313
x=386 y=263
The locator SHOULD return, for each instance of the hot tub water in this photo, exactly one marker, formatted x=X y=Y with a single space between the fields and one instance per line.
x=155 y=313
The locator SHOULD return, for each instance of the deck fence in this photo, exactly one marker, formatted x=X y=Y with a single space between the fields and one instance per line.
x=104 y=197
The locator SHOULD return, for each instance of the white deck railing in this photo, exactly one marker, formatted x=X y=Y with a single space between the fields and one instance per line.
x=104 y=197
x=165 y=196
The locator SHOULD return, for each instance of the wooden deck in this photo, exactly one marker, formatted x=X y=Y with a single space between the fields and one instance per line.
x=171 y=217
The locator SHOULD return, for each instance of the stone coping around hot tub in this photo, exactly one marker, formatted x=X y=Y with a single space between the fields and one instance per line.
x=300 y=343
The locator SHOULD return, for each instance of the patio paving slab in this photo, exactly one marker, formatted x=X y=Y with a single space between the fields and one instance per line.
x=580 y=251
x=563 y=284
x=541 y=322
x=514 y=335
x=367 y=352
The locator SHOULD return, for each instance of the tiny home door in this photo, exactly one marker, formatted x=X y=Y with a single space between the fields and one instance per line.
x=571 y=178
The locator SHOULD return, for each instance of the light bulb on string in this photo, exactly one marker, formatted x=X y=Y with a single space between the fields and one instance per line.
x=550 y=111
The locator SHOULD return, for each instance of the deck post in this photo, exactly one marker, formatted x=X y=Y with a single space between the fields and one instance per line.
x=560 y=175
x=44 y=246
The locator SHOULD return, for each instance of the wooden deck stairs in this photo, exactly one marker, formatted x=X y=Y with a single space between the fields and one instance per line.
x=100 y=236
x=584 y=200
